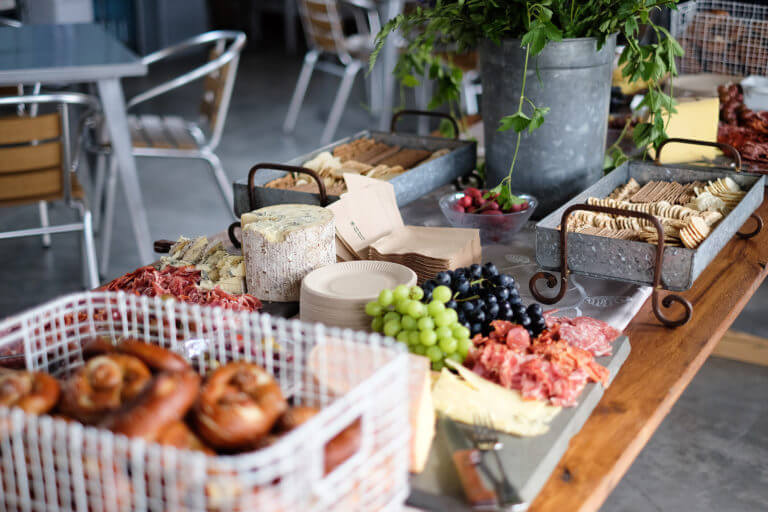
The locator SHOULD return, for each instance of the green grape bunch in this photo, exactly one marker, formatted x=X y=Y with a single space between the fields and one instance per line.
x=432 y=329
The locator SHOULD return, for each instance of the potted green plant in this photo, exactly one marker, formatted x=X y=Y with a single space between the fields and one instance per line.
x=546 y=73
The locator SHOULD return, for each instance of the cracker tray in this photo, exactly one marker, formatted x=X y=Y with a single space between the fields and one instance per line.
x=409 y=186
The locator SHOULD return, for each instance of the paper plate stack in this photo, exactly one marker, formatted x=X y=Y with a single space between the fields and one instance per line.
x=336 y=294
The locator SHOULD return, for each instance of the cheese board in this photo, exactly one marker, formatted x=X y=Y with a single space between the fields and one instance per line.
x=450 y=160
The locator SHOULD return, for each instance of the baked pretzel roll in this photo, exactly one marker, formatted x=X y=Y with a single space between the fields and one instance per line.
x=102 y=385
x=156 y=357
x=238 y=405
x=343 y=446
x=97 y=346
x=178 y=435
x=32 y=392
x=166 y=400
x=294 y=417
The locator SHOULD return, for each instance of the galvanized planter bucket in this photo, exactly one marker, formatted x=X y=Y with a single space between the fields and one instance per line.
x=565 y=155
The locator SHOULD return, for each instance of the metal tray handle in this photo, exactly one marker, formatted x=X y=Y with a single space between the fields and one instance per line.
x=725 y=148
x=252 y=191
x=564 y=271
x=396 y=117
x=287 y=168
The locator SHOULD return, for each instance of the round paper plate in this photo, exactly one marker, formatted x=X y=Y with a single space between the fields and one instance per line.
x=357 y=280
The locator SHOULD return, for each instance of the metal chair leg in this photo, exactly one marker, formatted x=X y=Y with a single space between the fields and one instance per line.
x=42 y=207
x=340 y=102
x=91 y=276
x=98 y=190
x=109 y=213
x=221 y=179
x=301 y=89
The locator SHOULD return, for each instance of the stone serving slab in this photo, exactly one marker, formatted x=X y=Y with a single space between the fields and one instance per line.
x=529 y=461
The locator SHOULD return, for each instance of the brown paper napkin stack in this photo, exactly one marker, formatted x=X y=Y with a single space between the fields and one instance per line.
x=369 y=226
x=428 y=250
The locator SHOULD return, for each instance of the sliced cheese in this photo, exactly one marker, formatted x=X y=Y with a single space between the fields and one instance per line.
x=467 y=396
x=422 y=411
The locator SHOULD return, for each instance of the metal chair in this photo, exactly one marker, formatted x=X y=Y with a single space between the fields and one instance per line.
x=173 y=136
x=37 y=166
x=322 y=25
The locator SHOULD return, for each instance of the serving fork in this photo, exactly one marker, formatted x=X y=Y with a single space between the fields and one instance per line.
x=485 y=440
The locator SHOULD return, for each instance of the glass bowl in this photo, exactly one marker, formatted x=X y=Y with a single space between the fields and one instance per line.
x=494 y=229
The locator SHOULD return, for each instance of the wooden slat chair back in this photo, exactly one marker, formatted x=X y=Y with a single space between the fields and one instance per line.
x=214 y=88
x=31 y=160
x=323 y=26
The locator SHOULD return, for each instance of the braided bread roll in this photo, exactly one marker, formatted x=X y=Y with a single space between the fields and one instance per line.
x=238 y=405
x=103 y=384
x=32 y=392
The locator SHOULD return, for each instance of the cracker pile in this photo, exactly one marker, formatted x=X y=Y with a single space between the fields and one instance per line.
x=363 y=156
x=687 y=212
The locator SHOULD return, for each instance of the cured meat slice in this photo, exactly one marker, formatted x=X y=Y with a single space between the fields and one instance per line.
x=554 y=367
x=585 y=332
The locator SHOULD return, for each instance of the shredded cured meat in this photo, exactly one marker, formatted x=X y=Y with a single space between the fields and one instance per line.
x=181 y=283
x=741 y=127
x=555 y=366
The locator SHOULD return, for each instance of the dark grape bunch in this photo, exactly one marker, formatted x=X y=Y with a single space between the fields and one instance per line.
x=482 y=294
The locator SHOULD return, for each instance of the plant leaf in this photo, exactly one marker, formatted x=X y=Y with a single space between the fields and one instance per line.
x=517 y=121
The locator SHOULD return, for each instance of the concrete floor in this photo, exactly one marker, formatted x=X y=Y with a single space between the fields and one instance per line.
x=710 y=453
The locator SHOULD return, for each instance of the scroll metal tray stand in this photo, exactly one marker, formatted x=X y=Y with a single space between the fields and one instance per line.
x=657 y=287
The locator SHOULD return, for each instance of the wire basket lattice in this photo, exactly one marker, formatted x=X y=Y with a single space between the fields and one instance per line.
x=722 y=37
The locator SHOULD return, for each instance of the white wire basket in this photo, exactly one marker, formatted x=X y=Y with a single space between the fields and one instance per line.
x=48 y=464
x=722 y=37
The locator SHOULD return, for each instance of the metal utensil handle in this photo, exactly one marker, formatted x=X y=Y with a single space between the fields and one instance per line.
x=397 y=115
x=508 y=494
x=287 y=168
x=163 y=246
x=564 y=271
x=725 y=148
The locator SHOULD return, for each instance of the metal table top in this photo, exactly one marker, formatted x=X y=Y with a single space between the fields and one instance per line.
x=63 y=53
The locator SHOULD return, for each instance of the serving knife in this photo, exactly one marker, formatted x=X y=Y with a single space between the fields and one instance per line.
x=467 y=461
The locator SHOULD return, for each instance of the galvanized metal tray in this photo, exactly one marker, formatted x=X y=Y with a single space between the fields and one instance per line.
x=634 y=261
x=671 y=268
x=409 y=186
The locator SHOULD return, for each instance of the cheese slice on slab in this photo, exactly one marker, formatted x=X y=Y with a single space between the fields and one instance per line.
x=467 y=395
x=422 y=412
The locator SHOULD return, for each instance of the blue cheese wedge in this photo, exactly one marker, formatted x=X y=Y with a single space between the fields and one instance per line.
x=282 y=244
x=217 y=267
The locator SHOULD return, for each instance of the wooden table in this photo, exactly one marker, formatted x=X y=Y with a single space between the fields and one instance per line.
x=662 y=363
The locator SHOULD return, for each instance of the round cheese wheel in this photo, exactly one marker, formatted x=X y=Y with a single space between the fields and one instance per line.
x=282 y=244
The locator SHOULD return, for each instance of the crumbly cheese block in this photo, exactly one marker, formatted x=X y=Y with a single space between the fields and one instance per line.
x=217 y=266
x=284 y=243
x=468 y=395
x=422 y=411
x=194 y=253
